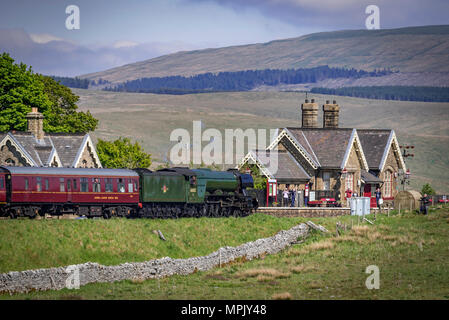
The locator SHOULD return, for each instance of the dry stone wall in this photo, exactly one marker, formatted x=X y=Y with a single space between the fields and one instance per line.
x=81 y=274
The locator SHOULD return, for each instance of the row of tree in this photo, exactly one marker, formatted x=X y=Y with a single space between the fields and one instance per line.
x=72 y=82
x=405 y=93
x=239 y=80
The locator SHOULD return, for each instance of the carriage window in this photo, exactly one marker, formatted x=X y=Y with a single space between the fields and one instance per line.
x=69 y=185
x=74 y=184
x=130 y=185
x=193 y=180
x=108 y=185
x=39 y=184
x=84 y=185
x=135 y=185
x=26 y=183
x=46 y=184
x=61 y=184
x=96 y=184
x=1 y=183
x=120 y=185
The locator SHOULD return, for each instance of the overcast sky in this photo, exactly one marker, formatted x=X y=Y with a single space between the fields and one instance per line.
x=113 y=32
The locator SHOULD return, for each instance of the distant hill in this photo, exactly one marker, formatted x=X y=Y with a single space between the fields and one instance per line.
x=411 y=49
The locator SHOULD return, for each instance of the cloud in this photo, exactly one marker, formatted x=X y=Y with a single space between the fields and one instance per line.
x=43 y=37
x=51 y=55
x=344 y=14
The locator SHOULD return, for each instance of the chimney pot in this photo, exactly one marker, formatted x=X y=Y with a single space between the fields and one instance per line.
x=36 y=123
x=330 y=115
x=309 y=114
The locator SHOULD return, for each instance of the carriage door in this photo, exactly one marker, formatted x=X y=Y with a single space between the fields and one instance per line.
x=2 y=189
x=69 y=190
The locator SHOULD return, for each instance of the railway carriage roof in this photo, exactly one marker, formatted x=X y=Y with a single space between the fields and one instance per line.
x=71 y=171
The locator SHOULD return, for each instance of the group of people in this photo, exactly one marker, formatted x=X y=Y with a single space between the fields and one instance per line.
x=286 y=194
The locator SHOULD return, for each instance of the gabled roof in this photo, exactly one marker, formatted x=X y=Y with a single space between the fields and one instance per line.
x=330 y=147
x=66 y=148
x=280 y=165
x=374 y=142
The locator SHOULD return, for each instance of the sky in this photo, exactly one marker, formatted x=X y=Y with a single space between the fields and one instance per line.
x=116 y=32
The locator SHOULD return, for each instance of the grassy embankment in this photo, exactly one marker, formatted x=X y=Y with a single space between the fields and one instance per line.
x=410 y=250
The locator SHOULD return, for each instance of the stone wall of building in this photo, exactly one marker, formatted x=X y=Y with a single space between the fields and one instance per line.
x=9 y=155
x=58 y=278
x=392 y=164
x=87 y=159
x=352 y=166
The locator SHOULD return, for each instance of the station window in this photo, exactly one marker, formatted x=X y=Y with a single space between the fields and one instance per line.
x=46 y=184
x=61 y=185
x=39 y=184
x=84 y=185
x=120 y=185
x=96 y=184
x=108 y=185
x=26 y=183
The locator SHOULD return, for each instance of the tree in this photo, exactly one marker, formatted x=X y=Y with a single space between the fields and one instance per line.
x=62 y=115
x=121 y=153
x=260 y=181
x=427 y=189
x=21 y=89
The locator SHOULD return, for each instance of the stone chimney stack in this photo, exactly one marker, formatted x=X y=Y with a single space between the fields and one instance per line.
x=309 y=114
x=36 y=123
x=330 y=114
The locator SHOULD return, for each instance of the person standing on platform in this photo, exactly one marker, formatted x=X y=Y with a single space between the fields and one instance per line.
x=285 y=197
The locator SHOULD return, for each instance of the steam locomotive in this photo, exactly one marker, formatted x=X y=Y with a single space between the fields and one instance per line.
x=166 y=193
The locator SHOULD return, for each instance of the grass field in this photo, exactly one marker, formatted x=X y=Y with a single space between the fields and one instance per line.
x=150 y=118
x=410 y=250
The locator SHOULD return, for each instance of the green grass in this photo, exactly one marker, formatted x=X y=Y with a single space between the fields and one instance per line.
x=410 y=250
x=31 y=244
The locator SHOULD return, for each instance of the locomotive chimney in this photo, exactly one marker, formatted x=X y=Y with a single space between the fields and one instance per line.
x=35 y=121
x=330 y=115
x=309 y=114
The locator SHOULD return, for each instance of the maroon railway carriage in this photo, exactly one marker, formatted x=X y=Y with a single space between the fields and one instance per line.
x=28 y=191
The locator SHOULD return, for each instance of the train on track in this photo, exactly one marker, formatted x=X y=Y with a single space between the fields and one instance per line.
x=138 y=193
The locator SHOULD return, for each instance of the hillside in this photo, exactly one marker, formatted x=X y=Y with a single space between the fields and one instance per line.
x=411 y=49
x=154 y=116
